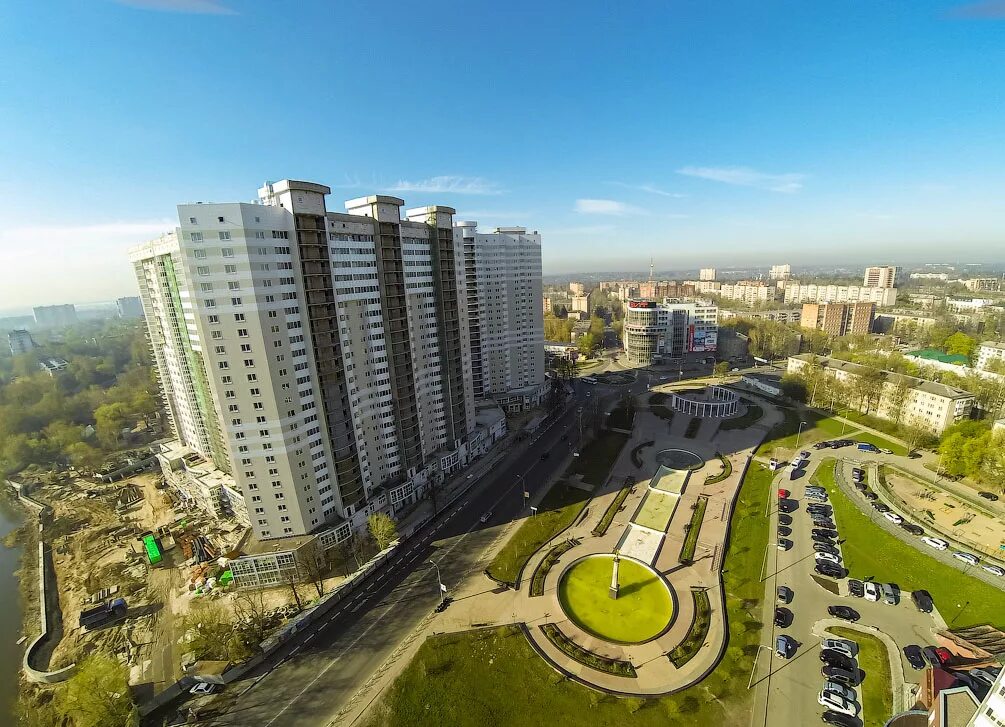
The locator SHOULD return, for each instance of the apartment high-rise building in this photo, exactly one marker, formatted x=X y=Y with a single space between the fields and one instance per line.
x=706 y=274
x=580 y=304
x=320 y=359
x=813 y=293
x=502 y=278
x=780 y=272
x=881 y=276
x=655 y=332
x=20 y=341
x=577 y=288
x=129 y=307
x=838 y=319
x=55 y=316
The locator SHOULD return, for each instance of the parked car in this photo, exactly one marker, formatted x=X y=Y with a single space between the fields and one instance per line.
x=784 y=594
x=821 y=445
x=840 y=689
x=787 y=505
x=815 y=508
x=848 y=677
x=844 y=612
x=886 y=451
x=936 y=655
x=988 y=495
x=866 y=447
x=937 y=543
x=784 y=544
x=994 y=570
x=861 y=486
x=824 y=525
x=836 y=658
x=819 y=497
x=204 y=688
x=784 y=531
x=785 y=646
x=891 y=596
x=857 y=474
x=871 y=591
x=856 y=588
x=923 y=600
x=831 y=570
x=841 y=720
x=870 y=495
x=893 y=517
x=485 y=516
x=828 y=557
x=784 y=519
x=881 y=507
x=837 y=703
x=825 y=532
x=774 y=464
x=783 y=493
x=912 y=528
x=817 y=538
x=966 y=558
x=783 y=617
x=824 y=548
x=815 y=488
x=845 y=646
x=914 y=657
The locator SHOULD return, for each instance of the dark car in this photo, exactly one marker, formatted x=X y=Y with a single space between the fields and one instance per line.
x=856 y=588
x=784 y=544
x=784 y=519
x=825 y=548
x=988 y=495
x=881 y=507
x=817 y=509
x=912 y=528
x=861 y=486
x=787 y=505
x=783 y=617
x=822 y=539
x=821 y=445
x=836 y=658
x=825 y=532
x=857 y=474
x=832 y=570
x=824 y=525
x=914 y=657
x=848 y=677
x=936 y=656
x=784 y=594
x=846 y=612
x=923 y=600
x=842 y=720
x=784 y=531
x=870 y=495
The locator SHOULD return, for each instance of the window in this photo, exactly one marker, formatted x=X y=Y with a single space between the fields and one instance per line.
x=231 y=269
x=220 y=349
x=191 y=221
x=246 y=348
x=242 y=332
x=223 y=365
x=216 y=334
x=202 y=270
x=214 y=319
x=206 y=287
x=219 y=219
x=227 y=251
x=252 y=378
x=238 y=317
x=224 y=235
x=210 y=303
x=233 y=285
x=249 y=362
x=200 y=254
x=235 y=301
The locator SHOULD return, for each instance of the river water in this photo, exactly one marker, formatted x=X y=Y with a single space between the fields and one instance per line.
x=10 y=615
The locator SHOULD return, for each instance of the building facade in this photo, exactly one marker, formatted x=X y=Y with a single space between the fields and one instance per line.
x=782 y=315
x=780 y=272
x=812 y=293
x=20 y=341
x=838 y=319
x=747 y=293
x=577 y=288
x=987 y=352
x=579 y=304
x=55 y=316
x=502 y=279
x=657 y=332
x=905 y=399
x=880 y=276
x=320 y=360
x=706 y=274
x=982 y=284
x=129 y=307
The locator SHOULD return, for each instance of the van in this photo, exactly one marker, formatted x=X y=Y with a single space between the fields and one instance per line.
x=774 y=464
x=889 y=594
x=866 y=447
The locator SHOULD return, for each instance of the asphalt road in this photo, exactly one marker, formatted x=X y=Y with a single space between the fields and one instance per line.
x=318 y=672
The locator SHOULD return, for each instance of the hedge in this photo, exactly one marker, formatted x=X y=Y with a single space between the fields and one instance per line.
x=574 y=651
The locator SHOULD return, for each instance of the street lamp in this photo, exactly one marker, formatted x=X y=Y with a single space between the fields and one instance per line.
x=799 y=433
x=442 y=591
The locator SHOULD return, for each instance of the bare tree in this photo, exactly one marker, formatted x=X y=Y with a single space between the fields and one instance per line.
x=291 y=578
x=249 y=605
x=359 y=545
x=316 y=567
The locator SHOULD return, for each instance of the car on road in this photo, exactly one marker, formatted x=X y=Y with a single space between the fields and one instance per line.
x=784 y=594
x=848 y=677
x=784 y=544
x=912 y=528
x=845 y=646
x=836 y=658
x=937 y=655
x=784 y=519
x=485 y=517
x=783 y=617
x=829 y=569
x=837 y=703
x=841 y=720
x=785 y=646
x=914 y=657
x=893 y=517
x=545 y=456
x=840 y=689
x=787 y=505
x=824 y=532
x=988 y=495
x=870 y=495
x=923 y=600
x=844 y=612
x=871 y=591
x=783 y=493
x=994 y=570
x=828 y=557
x=856 y=587
x=204 y=688
x=966 y=558
x=784 y=531
x=881 y=507
x=937 y=543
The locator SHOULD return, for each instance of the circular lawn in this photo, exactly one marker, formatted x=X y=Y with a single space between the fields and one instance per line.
x=642 y=611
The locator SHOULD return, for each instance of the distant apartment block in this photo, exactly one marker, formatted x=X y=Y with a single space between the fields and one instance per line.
x=785 y=315
x=53 y=366
x=967 y=305
x=812 y=293
x=655 y=332
x=838 y=319
x=55 y=316
x=502 y=273
x=881 y=276
x=780 y=272
x=988 y=352
x=20 y=341
x=926 y=404
x=580 y=303
x=706 y=274
x=747 y=293
x=316 y=365
x=943 y=277
x=979 y=285
x=130 y=307
x=577 y=288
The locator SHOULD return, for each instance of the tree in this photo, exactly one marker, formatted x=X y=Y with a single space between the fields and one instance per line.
x=253 y=616
x=960 y=344
x=721 y=368
x=98 y=695
x=359 y=544
x=109 y=419
x=382 y=528
x=793 y=387
x=213 y=634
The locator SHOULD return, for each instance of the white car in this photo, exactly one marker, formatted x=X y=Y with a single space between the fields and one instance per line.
x=937 y=543
x=830 y=700
x=203 y=688
x=893 y=517
x=994 y=570
x=846 y=647
x=966 y=558
x=870 y=591
x=840 y=689
x=829 y=557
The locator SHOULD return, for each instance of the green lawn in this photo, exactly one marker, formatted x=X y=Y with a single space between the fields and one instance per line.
x=641 y=611
x=753 y=414
x=877 y=688
x=597 y=457
x=694 y=527
x=656 y=510
x=471 y=679
x=870 y=551
x=620 y=418
x=558 y=509
x=786 y=435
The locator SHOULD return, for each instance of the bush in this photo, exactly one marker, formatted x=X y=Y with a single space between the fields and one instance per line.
x=686 y=650
x=691 y=539
x=574 y=651
x=544 y=567
x=612 y=510
x=727 y=470
x=636 y=458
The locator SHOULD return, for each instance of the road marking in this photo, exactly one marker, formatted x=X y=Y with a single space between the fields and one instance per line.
x=295 y=650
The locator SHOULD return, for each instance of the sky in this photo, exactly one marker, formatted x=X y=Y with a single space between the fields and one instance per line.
x=693 y=133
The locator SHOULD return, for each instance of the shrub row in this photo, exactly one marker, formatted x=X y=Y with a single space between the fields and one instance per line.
x=636 y=453
x=685 y=651
x=574 y=651
x=691 y=539
x=612 y=510
x=727 y=470
x=544 y=567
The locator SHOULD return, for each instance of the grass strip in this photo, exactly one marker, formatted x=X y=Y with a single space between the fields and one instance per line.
x=692 y=428
x=574 y=651
x=637 y=453
x=877 y=686
x=753 y=414
x=686 y=650
x=597 y=458
x=691 y=539
x=545 y=566
x=727 y=470
x=613 y=509
x=870 y=551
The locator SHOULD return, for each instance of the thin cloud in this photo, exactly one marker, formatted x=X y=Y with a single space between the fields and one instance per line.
x=605 y=207
x=746 y=177
x=584 y=230
x=447 y=184
x=194 y=7
x=77 y=235
x=988 y=10
x=479 y=215
x=650 y=189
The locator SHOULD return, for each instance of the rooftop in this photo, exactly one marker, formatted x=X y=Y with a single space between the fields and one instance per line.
x=994 y=344
x=934 y=354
